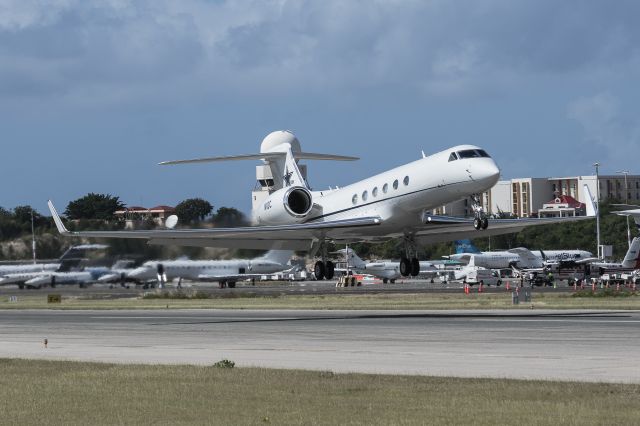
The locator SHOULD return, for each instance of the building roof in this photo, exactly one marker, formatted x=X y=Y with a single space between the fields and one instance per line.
x=568 y=200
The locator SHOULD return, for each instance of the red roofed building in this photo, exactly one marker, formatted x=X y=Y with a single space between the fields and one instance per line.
x=562 y=206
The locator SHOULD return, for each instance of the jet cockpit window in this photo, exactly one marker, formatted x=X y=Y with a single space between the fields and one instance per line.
x=453 y=156
x=472 y=153
x=468 y=153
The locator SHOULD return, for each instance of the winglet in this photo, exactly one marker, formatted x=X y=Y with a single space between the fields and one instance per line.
x=57 y=220
x=591 y=207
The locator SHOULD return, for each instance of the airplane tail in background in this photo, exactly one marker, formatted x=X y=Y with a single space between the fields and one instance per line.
x=632 y=258
x=466 y=246
x=354 y=260
x=278 y=256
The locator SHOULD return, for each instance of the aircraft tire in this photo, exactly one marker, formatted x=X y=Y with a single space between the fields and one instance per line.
x=484 y=223
x=415 y=267
x=384 y=281
x=393 y=280
x=329 y=269
x=405 y=267
x=21 y=286
x=231 y=284
x=477 y=223
x=318 y=270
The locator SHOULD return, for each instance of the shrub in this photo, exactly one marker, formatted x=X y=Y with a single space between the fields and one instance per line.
x=225 y=363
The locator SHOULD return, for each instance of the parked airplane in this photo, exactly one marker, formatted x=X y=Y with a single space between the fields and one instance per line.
x=630 y=262
x=23 y=274
x=520 y=257
x=389 y=270
x=53 y=279
x=393 y=204
x=225 y=272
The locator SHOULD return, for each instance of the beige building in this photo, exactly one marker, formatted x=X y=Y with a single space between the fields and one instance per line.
x=528 y=197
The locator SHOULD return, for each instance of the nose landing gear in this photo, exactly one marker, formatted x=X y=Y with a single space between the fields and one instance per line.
x=480 y=221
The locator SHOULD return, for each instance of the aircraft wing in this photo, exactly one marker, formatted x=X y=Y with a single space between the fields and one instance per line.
x=301 y=236
x=438 y=229
x=294 y=236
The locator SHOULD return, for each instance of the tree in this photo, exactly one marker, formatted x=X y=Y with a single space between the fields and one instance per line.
x=228 y=217
x=193 y=209
x=94 y=206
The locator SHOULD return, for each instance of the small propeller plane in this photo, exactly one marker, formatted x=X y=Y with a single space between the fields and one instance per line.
x=397 y=203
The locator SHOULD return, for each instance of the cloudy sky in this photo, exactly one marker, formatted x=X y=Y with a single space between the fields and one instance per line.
x=94 y=94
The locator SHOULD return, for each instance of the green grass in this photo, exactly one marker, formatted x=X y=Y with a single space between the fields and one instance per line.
x=49 y=392
x=241 y=300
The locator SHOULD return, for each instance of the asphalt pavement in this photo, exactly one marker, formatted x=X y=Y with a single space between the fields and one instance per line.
x=563 y=345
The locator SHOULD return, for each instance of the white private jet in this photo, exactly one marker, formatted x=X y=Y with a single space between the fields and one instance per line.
x=225 y=272
x=520 y=257
x=393 y=204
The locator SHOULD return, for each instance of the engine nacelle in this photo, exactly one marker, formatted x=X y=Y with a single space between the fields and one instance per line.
x=286 y=205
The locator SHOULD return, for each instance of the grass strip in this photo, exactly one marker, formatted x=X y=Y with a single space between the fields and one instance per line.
x=70 y=393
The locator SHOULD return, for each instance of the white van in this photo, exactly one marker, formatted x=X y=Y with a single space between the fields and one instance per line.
x=487 y=276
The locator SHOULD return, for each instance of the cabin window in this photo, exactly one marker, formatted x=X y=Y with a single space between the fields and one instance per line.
x=374 y=192
x=365 y=195
x=453 y=157
x=395 y=184
x=354 y=199
x=406 y=180
x=385 y=188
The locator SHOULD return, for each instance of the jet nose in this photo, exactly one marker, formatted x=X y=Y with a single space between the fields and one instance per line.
x=489 y=173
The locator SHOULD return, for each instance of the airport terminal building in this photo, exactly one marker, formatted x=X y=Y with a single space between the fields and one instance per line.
x=548 y=196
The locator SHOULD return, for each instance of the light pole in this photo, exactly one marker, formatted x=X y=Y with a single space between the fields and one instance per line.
x=626 y=201
x=597 y=166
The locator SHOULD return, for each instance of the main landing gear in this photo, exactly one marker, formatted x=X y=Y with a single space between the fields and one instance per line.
x=480 y=221
x=409 y=264
x=324 y=270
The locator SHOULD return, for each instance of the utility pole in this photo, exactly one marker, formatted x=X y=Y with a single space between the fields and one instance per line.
x=626 y=201
x=597 y=166
x=33 y=238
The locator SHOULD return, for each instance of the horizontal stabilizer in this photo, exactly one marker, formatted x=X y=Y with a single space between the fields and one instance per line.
x=263 y=156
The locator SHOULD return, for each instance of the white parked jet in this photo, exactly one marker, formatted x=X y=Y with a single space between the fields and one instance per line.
x=225 y=272
x=520 y=257
x=393 y=204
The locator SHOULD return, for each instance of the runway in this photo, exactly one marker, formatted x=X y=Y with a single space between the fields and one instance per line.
x=564 y=345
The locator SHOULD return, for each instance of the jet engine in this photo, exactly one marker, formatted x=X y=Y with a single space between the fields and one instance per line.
x=287 y=205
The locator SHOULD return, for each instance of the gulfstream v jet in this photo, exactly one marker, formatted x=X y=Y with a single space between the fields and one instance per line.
x=397 y=203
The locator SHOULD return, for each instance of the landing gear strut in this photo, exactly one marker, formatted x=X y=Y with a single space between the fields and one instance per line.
x=480 y=220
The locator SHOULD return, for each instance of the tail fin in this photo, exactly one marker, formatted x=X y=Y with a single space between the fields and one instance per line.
x=278 y=256
x=466 y=246
x=589 y=201
x=632 y=258
x=354 y=260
